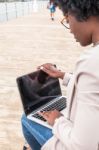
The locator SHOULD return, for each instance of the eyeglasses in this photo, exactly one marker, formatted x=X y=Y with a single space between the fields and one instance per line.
x=65 y=23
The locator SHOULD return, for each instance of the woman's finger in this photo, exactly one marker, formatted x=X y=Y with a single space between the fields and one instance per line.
x=44 y=114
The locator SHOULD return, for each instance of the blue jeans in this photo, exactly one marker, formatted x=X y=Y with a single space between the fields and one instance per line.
x=35 y=134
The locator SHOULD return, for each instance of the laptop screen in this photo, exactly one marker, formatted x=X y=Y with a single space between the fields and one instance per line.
x=36 y=89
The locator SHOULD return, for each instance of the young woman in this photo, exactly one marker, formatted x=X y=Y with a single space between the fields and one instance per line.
x=80 y=129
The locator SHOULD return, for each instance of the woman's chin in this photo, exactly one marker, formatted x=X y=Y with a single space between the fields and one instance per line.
x=81 y=43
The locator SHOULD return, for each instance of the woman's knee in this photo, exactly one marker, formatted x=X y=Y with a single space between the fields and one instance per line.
x=23 y=119
x=26 y=122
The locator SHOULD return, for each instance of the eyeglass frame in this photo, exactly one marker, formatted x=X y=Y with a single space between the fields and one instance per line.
x=64 y=24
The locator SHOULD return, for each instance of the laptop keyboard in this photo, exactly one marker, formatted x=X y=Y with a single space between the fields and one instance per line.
x=58 y=105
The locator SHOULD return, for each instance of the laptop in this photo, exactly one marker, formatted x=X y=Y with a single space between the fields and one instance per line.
x=40 y=92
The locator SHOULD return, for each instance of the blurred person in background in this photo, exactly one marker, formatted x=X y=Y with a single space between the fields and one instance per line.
x=52 y=7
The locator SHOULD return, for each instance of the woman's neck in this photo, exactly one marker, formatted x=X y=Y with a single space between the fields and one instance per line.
x=95 y=34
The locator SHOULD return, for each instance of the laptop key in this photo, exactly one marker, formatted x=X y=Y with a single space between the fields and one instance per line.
x=39 y=117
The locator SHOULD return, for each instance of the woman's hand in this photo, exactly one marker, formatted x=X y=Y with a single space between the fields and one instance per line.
x=51 y=70
x=50 y=116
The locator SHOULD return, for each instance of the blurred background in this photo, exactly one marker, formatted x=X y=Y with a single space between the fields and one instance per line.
x=10 y=9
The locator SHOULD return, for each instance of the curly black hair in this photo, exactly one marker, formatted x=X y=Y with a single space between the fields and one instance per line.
x=82 y=9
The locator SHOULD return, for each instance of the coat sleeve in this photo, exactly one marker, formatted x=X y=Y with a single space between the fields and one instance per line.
x=66 y=78
x=83 y=133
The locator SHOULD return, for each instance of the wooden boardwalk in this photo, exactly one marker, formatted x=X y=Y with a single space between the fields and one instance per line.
x=26 y=43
